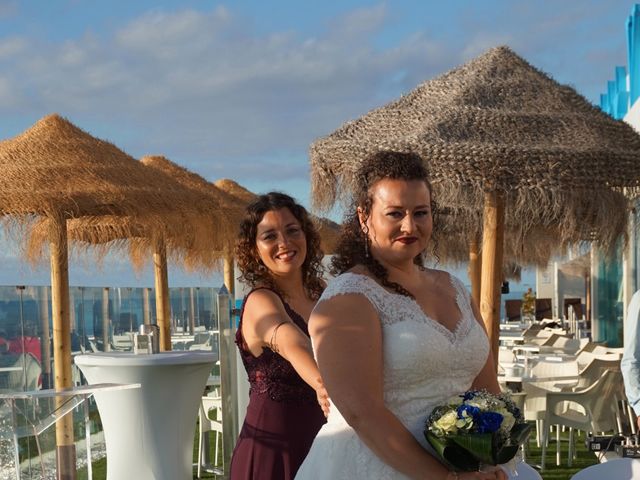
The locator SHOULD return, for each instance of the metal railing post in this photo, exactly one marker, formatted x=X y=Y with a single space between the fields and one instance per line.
x=228 y=385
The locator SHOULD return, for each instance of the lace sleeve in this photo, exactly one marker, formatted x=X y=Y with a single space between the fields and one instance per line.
x=462 y=295
x=460 y=288
x=353 y=283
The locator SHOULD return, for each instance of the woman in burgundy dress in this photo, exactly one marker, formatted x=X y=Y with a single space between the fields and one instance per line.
x=278 y=253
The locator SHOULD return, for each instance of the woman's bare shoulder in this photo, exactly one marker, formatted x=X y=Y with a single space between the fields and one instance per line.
x=262 y=298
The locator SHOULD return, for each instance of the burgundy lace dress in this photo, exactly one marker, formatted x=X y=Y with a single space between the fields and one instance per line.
x=283 y=416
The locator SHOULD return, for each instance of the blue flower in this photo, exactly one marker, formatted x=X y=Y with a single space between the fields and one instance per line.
x=489 y=422
x=471 y=411
x=469 y=395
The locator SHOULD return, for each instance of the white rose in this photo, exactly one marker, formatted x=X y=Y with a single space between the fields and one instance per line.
x=447 y=423
x=508 y=420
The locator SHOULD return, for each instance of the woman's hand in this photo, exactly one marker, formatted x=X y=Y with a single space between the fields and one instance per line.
x=497 y=474
x=323 y=397
x=494 y=473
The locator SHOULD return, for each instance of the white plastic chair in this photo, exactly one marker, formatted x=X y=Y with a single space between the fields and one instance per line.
x=594 y=409
x=535 y=406
x=619 y=469
x=561 y=344
x=208 y=425
x=595 y=369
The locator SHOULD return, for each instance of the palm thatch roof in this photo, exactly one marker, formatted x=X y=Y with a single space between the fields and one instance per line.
x=55 y=168
x=198 y=243
x=579 y=266
x=498 y=124
x=329 y=230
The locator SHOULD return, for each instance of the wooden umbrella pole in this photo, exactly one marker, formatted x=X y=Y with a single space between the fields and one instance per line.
x=163 y=310
x=475 y=269
x=229 y=281
x=492 y=252
x=146 y=315
x=65 y=446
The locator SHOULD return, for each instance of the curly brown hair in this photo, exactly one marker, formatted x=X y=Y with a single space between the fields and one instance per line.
x=253 y=271
x=354 y=244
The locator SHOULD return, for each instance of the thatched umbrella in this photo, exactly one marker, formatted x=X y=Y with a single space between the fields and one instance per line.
x=329 y=231
x=581 y=267
x=494 y=132
x=204 y=254
x=196 y=246
x=57 y=171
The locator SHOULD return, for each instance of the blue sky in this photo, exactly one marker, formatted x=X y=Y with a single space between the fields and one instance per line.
x=240 y=89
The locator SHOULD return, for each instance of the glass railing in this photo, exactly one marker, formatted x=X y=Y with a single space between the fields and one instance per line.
x=102 y=319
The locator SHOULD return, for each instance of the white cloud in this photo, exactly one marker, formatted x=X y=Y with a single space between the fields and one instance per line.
x=205 y=89
x=12 y=46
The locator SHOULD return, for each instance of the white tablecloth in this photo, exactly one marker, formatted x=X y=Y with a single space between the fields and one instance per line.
x=149 y=431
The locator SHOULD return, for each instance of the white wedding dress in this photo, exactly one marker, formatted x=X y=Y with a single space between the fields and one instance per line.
x=425 y=364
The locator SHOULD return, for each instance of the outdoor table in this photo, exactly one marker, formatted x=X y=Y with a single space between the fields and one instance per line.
x=149 y=432
x=514 y=378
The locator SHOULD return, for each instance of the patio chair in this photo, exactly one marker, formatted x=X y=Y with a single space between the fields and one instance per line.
x=594 y=370
x=535 y=405
x=576 y=303
x=543 y=308
x=560 y=344
x=618 y=469
x=512 y=310
x=592 y=410
x=208 y=404
x=25 y=378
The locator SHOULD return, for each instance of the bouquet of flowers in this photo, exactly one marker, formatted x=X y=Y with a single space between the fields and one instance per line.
x=476 y=428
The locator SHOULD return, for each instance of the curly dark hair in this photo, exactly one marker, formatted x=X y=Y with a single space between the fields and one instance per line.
x=252 y=270
x=354 y=245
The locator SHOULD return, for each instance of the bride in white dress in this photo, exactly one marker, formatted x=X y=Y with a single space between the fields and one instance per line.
x=392 y=339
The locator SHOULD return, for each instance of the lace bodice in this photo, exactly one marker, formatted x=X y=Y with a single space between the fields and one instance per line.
x=424 y=365
x=269 y=373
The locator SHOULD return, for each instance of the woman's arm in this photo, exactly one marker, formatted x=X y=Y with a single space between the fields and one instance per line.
x=630 y=364
x=348 y=341
x=487 y=379
x=265 y=323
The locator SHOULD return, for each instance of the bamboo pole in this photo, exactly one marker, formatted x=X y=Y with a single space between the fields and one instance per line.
x=475 y=270
x=145 y=306
x=492 y=252
x=229 y=281
x=65 y=447
x=163 y=309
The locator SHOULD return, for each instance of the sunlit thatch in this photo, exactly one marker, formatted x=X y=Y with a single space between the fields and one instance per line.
x=499 y=124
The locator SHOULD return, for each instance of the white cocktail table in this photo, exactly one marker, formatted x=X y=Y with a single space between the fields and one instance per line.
x=149 y=431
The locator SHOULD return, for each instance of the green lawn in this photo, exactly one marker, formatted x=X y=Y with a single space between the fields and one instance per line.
x=552 y=472
x=583 y=458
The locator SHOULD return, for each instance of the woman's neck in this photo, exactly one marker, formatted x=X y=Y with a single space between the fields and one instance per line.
x=404 y=273
x=291 y=285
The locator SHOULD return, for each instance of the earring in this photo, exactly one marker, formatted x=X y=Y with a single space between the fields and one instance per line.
x=365 y=233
